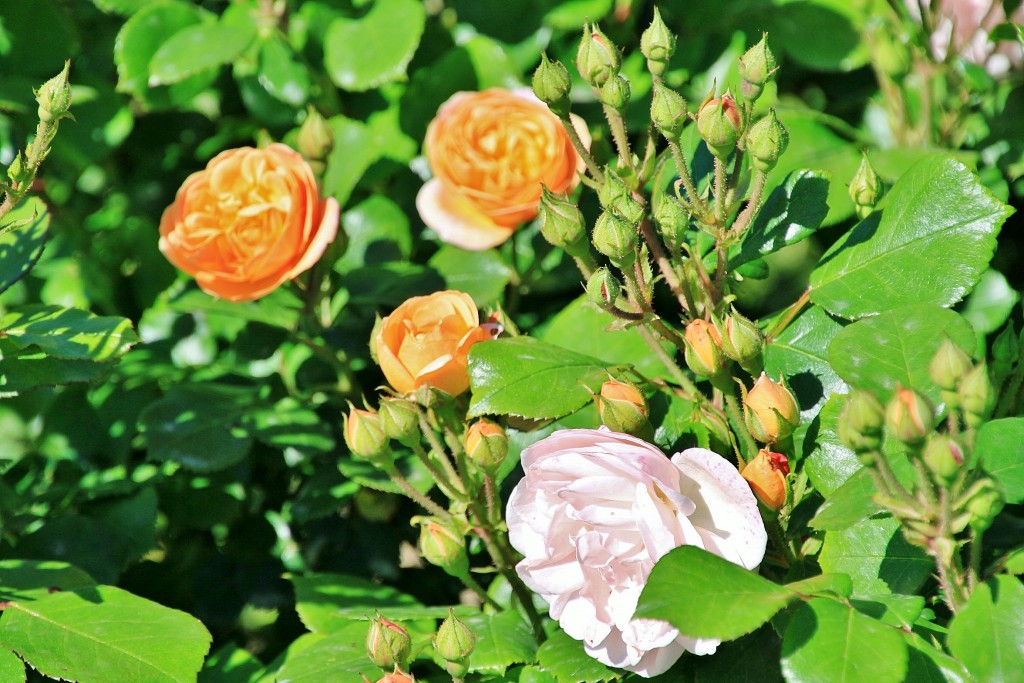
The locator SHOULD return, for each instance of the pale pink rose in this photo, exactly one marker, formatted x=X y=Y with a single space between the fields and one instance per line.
x=593 y=514
x=962 y=27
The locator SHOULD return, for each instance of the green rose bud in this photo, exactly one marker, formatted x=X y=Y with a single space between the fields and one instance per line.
x=54 y=97
x=455 y=642
x=388 y=643
x=561 y=223
x=622 y=408
x=668 y=112
x=364 y=434
x=757 y=67
x=985 y=504
x=766 y=142
x=743 y=342
x=865 y=188
x=615 y=92
x=614 y=237
x=486 y=444
x=860 y=422
x=672 y=221
x=442 y=545
x=597 y=59
x=603 y=288
x=948 y=366
x=399 y=419
x=943 y=457
x=720 y=124
x=551 y=85
x=315 y=139
x=977 y=398
x=909 y=416
x=657 y=44
x=616 y=197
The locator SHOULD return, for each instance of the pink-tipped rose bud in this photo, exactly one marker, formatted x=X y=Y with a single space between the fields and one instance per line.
x=909 y=416
x=397 y=676
x=597 y=59
x=388 y=643
x=766 y=474
x=770 y=410
x=720 y=124
x=943 y=457
x=603 y=288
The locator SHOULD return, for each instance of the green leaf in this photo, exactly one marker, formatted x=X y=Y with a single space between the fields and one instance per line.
x=900 y=611
x=564 y=656
x=877 y=558
x=231 y=664
x=705 y=596
x=929 y=243
x=990 y=302
x=22 y=246
x=926 y=664
x=798 y=354
x=986 y=633
x=535 y=674
x=571 y=14
x=340 y=656
x=835 y=44
x=12 y=669
x=198 y=426
x=852 y=502
x=101 y=633
x=792 y=212
x=366 y=474
x=125 y=7
x=289 y=424
x=141 y=37
x=998 y=451
x=828 y=641
x=530 y=378
x=327 y=603
x=501 y=640
x=583 y=327
x=69 y=333
x=21 y=371
x=281 y=75
x=354 y=151
x=895 y=348
x=481 y=274
x=830 y=463
x=26 y=575
x=364 y=53
x=838 y=585
x=378 y=231
x=202 y=47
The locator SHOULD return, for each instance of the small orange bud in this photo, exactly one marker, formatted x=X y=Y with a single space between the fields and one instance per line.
x=766 y=475
x=364 y=434
x=387 y=643
x=770 y=410
x=622 y=407
x=397 y=676
x=486 y=444
x=704 y=348
x=909 y=416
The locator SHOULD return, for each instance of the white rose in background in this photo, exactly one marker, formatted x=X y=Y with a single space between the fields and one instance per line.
x=962 y=27
x=593 y=514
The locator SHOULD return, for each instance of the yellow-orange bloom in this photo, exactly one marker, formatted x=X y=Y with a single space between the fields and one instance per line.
x=490 y=152
x=250 y=221
x=424 y=342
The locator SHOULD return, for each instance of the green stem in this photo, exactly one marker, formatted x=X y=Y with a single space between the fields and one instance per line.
x=789 y=315
x=474 y=586
x=421 y=499
x=581 y=149
x=618 y=128
x=753 y=204
x=440 y=478
x=778 y=536
x=974 y=576
x=721 y=188
x=441 y=453
x=673 y=368
x=586 y=264
x=664 y=264
x=684 y=175
x=739 y=426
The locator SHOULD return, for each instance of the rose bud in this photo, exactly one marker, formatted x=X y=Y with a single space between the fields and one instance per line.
x=657 y=44
x=860 y=422
x=909 y=417
x=766 y=142
x=603 y=288
x=720 y=124
x=616 y=197
x=703 y=352
x=668 y=112
x=315 y=139
x=717 y=425
x=985 y=504
x=388 y=643
x=454 y=643
x=766 y=474
x=399 y=419
x=743 y=342
x=757 y=67
x=442 y=545
x=597 y=59
x=364 y=434
x=397 y=676
x=769 y=410
x=486 y=444
x=622 y=408
x=976 y=395
x=865 y=188
x=948 y=366
x=672 y=221
x=943 y=457
x=614 y=237
x=551 y=85
x=561 y=223
x=54 y=97
x=615 y=92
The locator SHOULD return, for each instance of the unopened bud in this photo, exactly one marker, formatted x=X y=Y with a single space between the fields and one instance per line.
x=668 y=111
x=757 y=67
x=454 y=643
x=615 y=92
x=316 y=139
x=743 y=342
x=865 y=188
x=860 y=422
x=769 y=410
x=54 y=97
x=399 y=419
x=397 y=676
x=657 y=44
x=766 y=142
x=622 y=408
x=720 y=124
x=551 y=85
x=442 y=545
x=486 y=444
x=719 y=433
x=388 y=643
x=561 y=223
x=909 y=417
x=16 y=170
x=616 y=197
x=364 y=434
x=948 y=366
x=672 y=221
x=766 y=474
x=603 y=288
x=943 y=457
x=703 y=352
x=597 y=59
x=614 y=237
x=977 y=399
x=985 y=504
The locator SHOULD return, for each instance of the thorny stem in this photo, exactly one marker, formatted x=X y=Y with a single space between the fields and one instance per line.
x=753 y=204
x=664 y=264
x=947 y=559
x=442 y=454
x=720 y=190
x=735 y=413
x=618 y=128
x=474 y=586
x=586 y=264
x=421 y=499
x=684 y=175
x=581 y=149
x=778 y=536
x=667 y=333
x=440 y=478
x=673 y=368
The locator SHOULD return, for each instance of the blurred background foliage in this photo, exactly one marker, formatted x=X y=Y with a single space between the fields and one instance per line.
x=208 y=463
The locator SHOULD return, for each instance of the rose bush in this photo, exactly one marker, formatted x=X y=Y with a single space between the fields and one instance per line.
x=425 y=340
x=595 y=511
x=490 y=152
x=252 y=220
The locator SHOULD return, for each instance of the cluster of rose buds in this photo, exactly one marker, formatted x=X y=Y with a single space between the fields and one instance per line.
x=389 y=646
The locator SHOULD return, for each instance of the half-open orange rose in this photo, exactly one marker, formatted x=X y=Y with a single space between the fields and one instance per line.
x=424 y=342
x=490 y=152
x=250 y=221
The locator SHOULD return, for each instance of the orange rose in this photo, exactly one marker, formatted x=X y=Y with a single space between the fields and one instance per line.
x=424 y=342
x=249 y=222
x=490 y=152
